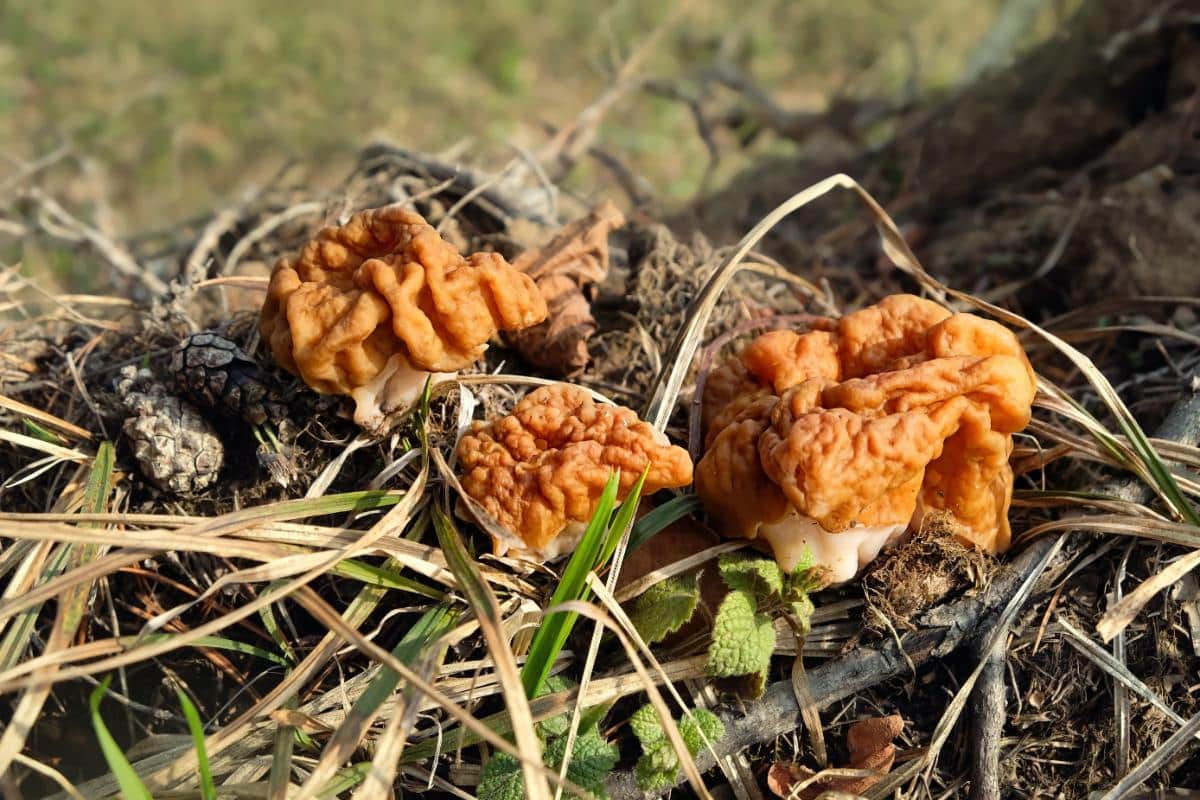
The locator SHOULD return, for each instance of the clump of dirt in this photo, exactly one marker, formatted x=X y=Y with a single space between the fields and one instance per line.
x=933 y=566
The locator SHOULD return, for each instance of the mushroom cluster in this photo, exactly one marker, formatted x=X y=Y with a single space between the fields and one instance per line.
x=836 y=440
x=372 y=308
x=540 y=470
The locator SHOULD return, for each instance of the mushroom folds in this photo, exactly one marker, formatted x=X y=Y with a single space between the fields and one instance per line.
x=371 y=308
x=540 y=471
x=838 y=439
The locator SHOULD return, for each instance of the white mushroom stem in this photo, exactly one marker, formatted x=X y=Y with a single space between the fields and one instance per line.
x=397 y=386
x=562 y=544
x=844 y=553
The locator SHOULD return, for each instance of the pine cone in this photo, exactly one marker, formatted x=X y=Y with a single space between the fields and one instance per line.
x=175 y=447
x=214 y=373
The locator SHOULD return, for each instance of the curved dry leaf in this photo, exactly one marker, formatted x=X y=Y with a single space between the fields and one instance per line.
x=564 y=269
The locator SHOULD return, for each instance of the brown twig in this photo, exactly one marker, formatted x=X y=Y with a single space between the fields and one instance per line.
x=988 y=712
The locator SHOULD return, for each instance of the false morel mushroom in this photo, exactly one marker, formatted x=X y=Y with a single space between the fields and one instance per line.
x=372 y=308
x=540 y=470
x=836 y=440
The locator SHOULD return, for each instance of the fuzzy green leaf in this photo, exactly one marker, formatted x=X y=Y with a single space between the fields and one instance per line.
x=665 y=607
x=501 y=779
x=698 y=725
x=761 y=577
x=592 y=760
x=556 y=726
x=742 y=639
x=646 y=727
x=802 y=610
x=657 y=768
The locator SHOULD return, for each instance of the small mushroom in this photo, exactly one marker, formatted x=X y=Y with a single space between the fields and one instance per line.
x=837 y=440
x=372 y=308
x=540 y=471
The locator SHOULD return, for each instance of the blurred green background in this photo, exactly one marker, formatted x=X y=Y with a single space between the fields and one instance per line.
x=172 y=107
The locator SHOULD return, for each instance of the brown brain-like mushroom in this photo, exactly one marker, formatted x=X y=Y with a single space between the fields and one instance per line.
x=540 y=471
x=371 y=308
x=837 y=440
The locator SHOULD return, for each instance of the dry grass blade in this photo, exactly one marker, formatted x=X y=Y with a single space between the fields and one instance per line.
x=1182 y=738
x=486 y=609
x=225 y=525
x=51 y=773
x=652 y=692
x=423 y=636
x=49 y=448
x=327 y=616
x=18 y=407
x=1121 y=614
x=71 y=611
x=1106 y=661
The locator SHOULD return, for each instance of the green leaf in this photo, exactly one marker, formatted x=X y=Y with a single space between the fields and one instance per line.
x=591 y=762
x=131 y=785
x=208 y=789
x=665 y=607
x=267 y=615
x=556 y=726
x=647 y=727
x=623 y=519
x=761 y=577
x=592 y=759
x=657 y=768
x=742 y=639
x=698 y=725
x=802 y=610
x=501 y=779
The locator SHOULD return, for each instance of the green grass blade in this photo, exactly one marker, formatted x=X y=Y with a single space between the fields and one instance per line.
x=552 y=634
x=388 y=579
x=620 y=522
x=216 y=643
x=208 y=789
x=417 y=645
x=131 y=785
x=671 y=511
x=433 y=624
x=267 y=615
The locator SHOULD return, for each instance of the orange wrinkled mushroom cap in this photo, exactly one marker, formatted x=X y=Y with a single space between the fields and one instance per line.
x=866 y=423
x=386 y=292
x=542 y=469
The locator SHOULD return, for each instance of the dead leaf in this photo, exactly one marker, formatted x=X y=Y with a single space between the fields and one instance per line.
x=564 y=269
x=870 y=744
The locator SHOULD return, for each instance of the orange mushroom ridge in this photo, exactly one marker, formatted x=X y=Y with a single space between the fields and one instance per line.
x=839 y=439
x=540 y=471
x=371 y=308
